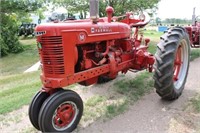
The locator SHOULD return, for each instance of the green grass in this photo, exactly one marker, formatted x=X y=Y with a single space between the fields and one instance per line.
x=124 y=94
x=135 y=88
x=116 y=109
x=94 y=108
x=102 y=107
x=153 y=35
x=152 y=47
x=18 y=88
x=130 y=91
x=95 y=100
x=17 y=63
x=195 y=53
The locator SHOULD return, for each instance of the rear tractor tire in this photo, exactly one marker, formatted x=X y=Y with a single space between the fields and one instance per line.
x=172 y=63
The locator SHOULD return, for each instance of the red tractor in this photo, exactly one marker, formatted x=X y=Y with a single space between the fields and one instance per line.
x=85 y=51
x=194 y=31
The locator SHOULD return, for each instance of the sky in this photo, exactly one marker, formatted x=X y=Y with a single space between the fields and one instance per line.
x=170 y=9
x=178 y=8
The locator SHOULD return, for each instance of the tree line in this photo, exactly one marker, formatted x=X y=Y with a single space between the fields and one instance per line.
x=13 y=12
x=173 y=21
x=177 y=21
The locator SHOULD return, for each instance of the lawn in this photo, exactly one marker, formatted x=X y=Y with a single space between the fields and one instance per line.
x=153 y=35
x=18 y=88
x=17 y=63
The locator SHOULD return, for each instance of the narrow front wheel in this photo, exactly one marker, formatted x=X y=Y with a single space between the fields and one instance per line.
x=35 y=106
x=61 y=112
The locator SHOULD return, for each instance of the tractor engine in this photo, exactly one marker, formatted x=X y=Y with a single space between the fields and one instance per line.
x=81 y=51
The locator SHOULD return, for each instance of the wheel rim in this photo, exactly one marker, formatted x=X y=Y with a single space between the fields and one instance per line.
x=181 y=64
x=64 y=116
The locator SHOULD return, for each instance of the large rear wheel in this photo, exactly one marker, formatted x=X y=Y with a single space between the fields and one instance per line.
x=172 y=63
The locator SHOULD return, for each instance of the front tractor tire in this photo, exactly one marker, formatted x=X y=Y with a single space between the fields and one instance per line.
x=61 y=112
x=35 y=106
x=172 y=63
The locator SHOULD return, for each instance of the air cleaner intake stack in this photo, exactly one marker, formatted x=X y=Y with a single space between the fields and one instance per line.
x=94 y=10
x=193 y=17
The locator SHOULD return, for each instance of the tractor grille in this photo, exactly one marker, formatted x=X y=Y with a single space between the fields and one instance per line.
x=52 y=55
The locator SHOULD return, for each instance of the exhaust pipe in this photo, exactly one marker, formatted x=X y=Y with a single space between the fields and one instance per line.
x=94 y=10
x=193 y=17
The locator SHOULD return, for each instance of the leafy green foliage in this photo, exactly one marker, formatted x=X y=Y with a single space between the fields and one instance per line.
x=176 y=21
x=9 y=39
x=20 y=6
x=123 y=6
x=18 y=63
x=74 y=6
x=120 y=6
x=11 y=12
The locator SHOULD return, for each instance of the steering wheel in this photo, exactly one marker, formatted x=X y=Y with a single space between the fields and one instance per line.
x=144 y=19
x=197 y=18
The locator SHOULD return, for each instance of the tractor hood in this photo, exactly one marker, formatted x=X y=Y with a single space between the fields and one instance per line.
x=121 y=30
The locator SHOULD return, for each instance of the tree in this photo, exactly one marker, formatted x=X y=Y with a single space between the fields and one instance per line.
x=177 y=21
x=158 y=20
x=120 y=6
x=11 y=11
x=74 y=6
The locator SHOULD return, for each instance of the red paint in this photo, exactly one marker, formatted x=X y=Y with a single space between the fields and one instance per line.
x=177 y=63
x=80 y=51
x=64 y=115
x=194 y=31
x=109 y=11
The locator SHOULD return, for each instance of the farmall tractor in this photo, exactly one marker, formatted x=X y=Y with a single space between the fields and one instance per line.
x=194 y=31
x=87 y=51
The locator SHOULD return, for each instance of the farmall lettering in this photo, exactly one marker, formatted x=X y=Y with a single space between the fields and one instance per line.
x=98 y=49
x=101 y=30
